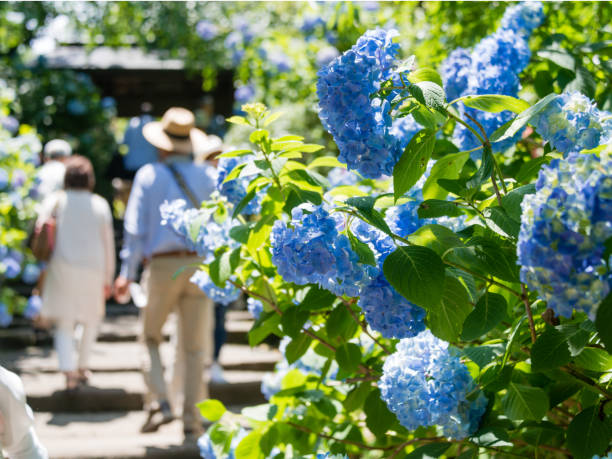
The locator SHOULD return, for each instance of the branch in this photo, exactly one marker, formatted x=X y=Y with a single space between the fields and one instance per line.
x=484 y=278
x=525 y=299
x=587 y=381
x=364 y=327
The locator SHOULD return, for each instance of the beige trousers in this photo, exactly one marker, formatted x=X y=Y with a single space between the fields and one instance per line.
x=195 y=314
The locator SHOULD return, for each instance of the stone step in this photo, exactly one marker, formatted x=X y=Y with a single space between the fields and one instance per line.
x=110 y=435
x=124 y=391
x=119 y=356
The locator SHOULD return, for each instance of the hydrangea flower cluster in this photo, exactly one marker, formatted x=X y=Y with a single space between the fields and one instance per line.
x=564 y=228
x=339 y=176
x=255 y=307
x=6 y=318
x=10 y=262
x=206 y=447
x=425 y=384
x=197 y=227
x=235 y=190
x=225 y=295
x=33 y=307
x=361 y=125
x=311 y=251
x=207 y=30
x=570 y=122
x=492 y=67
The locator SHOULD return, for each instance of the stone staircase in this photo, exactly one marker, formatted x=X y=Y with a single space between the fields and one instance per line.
x=102 y=420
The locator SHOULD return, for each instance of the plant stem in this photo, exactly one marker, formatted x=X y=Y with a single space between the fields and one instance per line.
x=484 y=278
x=472 y=130
x=585 y=380
x=525 y=299
x=363 y=326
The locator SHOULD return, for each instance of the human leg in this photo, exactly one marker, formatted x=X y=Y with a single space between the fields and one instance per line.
x=88 y=339
x=64 y=346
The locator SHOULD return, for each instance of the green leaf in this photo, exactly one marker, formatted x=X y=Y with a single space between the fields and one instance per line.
x=425 y=74
x=434 y=208
x=430 y=451
x=588 y=434
x=577 y=337
x=549 y=351
x=238 y=120
x=559 y=56
x=258 y=136
x=413 y=162
x=316 y=299
x=428 y=93
x=299 y=195
x=489 y=311
x=435 y=237
x=447 y=167
x=531 y=168
x=326 y=161
x=244 y=202
x=512 y=201
x=223 y=266
x=363 y=250
x=417 y=273
x=513 y=334
x=445 y=319
x=248 y=448
x=266 y=325
x=483 y=174
x=495 y=103
x=594 y=359
x=234 y=173
x=365 y=208
x=234 y=153
x=356 y=397
x=508 y=130
x=272 y=118
x=525 y=402
x=348 y=357
x=211 y=409
x=493 y=437
x=499 y=221
x=378 y=416
x=482 y=355
x=293 y=320
x=603 y=322
x=297 y=347
x=240 y=233
x=340 y=323
x=542 y=433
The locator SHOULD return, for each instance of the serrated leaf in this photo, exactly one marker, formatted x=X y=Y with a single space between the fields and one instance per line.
x=445 y=319
x=512 y=201
x=425 y=74
x=509 y=129
x=297 y=347
x=549 y=351
x=363 y=250
x=416 y=273
x=489 y=311
x=211 y=409
x=594 y=359
x=326 y=161
x=525 y=402
x=348 y=356
x=531 y=168
x=434 y=208
x=448 y=167
x=223 y=266
x=484 y=354
x=413 y=162
x=499 y=221
x=240 y=233
x=483 y=174
x=495 y=103
x=293 y=319
x=340 y=323
x=435 y=237
x=365 y=207
x=317 y=299
x=588 y=434
x=428 y=93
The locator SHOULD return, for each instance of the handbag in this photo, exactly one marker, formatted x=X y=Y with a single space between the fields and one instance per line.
x=43 y=237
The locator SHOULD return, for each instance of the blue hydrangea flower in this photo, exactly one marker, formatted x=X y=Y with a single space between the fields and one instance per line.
x=492 y=67
x=361 y=125
x=279 y=60
x=425 y=384
x=5 y=317
x=4 y=179
x=198 y=228
x=255 y=307
x=31 y=273
x=207 y=30
x=12 y=263
x=244 y=93
x=564 y=228
x=523 y=17
x=312 y=251
x=331 y=456
x=570 y=122
x=339 y=176
x=9 y=123
x=18 y=178
x=206 y=447
x=225 y=295
x=33 y=307
x=236 y=189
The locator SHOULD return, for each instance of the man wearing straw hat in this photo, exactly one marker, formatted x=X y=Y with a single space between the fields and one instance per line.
x=174 y=176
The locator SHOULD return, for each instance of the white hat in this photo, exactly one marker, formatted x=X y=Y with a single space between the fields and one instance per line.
x=176 y=132
x=57 y=147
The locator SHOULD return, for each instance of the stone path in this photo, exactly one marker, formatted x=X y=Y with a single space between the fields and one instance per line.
x=103 y=419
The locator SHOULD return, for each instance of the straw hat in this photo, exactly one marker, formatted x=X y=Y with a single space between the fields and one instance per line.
x=57 y=148
x=176 y=132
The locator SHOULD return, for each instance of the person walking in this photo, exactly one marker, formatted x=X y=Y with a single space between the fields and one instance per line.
x=51 y=174
x=80 y=271
x=18 y=439
x=169 y=264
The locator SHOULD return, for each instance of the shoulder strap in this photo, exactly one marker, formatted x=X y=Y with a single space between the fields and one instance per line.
x=183 y=186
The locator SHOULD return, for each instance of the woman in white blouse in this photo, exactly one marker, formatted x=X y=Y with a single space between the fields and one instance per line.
x=80 y=272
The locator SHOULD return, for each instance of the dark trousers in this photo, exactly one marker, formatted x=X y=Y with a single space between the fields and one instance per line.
x=220 y=332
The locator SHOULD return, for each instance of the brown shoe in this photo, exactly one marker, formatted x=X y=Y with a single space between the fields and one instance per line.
x=157 y=418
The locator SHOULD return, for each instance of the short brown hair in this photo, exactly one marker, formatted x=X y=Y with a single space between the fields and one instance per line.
x=79 y=173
